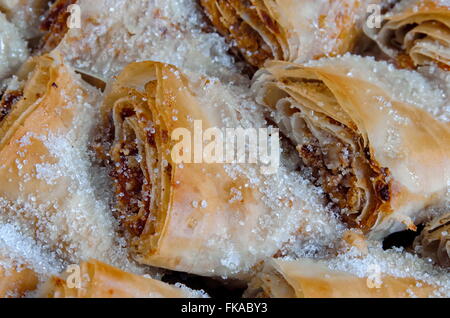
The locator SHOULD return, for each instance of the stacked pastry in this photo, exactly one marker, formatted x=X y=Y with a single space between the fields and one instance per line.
x=364 y=154
x=43 y=98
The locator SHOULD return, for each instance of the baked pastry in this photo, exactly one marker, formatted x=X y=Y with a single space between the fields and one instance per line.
x=185 y=214
x=16 y=281
x=13 y=49
x=94 y=279
x=415 y=32
x=380 y=160
x=288 y=30
x=306 y=278
x=55 y=24
x=125 y=169
x=434 y=241
x=114 y=33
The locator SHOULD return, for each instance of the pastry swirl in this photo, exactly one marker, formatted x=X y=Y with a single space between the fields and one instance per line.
x=381 y=161
x=288 y=30
x=416 y=33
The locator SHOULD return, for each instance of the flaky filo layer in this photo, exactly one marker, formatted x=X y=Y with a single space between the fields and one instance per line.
x=44 y=103
x=288 y=30
x=94 y=279
x=381 y=161
x=305 y=278
x=40 y=114
x=416 y=33
x=183 y=216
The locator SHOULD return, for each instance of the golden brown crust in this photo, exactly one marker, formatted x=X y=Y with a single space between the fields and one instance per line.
x=224 y=17
x=48 y=108
x=173 y=212
x=45 y=95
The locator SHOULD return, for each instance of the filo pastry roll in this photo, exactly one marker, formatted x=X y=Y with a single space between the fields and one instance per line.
x=94 y=279
x=381 y=161
x=305 y=278
x=434 y=241
x=416 y=32
x=288 y=30
x=42 y=113
x=202 y=218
